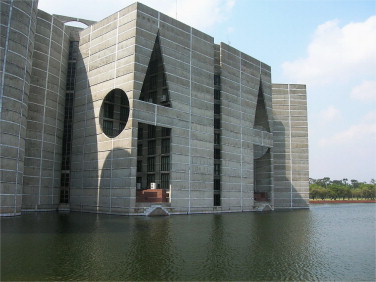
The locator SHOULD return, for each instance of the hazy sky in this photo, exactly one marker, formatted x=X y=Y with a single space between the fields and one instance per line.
x=330 y=45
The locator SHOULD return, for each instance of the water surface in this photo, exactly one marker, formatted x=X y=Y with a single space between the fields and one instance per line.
x=326 y=242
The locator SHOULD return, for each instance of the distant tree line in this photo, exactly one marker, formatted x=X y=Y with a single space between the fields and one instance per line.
x=325 y=188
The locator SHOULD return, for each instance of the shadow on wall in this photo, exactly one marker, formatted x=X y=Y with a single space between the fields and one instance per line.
x=101 y=174
x=84 y=158
x=288 y=183
x=114 y=193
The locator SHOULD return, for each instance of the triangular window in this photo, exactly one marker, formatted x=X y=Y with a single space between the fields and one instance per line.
x=261 y=116
x=154 y=89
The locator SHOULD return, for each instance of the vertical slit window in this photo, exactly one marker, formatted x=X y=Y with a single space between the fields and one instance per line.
x=150 y=179
x=217 y=169
x=217 y=154
x=166 y=132
x=165 y=146
x=152 y=147
x=217 y=109
x=151 y=131
x=165 y=163
x=139 y=150
x=140 y=133
x=151 y=164
x=217 y=200
x=217 y=94
x=217 y=80
x=108 y=110
x=217 y=185
x=139 y=166
x=165 y=181
x=108 y=127
x=217 y=123
x=217 y=139
x=124 y=113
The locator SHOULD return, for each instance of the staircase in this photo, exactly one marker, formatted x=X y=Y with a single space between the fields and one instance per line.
x=63 y=208
x=156 y=210
x=262 y=207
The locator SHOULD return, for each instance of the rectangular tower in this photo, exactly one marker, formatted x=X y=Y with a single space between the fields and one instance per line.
x=291 y=168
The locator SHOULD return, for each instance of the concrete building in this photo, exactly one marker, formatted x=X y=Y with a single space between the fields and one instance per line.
x=139 y=110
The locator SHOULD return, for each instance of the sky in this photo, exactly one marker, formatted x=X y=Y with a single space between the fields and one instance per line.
x=329 y=45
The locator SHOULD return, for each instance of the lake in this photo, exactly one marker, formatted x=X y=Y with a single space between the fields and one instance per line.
x=325 y=242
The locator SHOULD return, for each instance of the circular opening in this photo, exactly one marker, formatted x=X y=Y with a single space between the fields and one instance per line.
x=114 y=113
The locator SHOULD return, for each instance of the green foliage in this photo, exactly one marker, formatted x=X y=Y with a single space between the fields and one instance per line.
x=341 y=189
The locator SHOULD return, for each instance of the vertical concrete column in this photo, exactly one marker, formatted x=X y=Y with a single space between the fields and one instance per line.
x=18 y=20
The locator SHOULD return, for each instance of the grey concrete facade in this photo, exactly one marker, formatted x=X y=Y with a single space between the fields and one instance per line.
x=153 y=101
x=18 y=23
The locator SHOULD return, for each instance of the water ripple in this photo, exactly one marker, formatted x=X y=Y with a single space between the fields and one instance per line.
x=324 y=243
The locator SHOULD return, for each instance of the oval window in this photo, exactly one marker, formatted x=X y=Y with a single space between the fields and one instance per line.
x=114 y=113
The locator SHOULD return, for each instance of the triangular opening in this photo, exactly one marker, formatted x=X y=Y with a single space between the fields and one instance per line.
x=154 y=89
x=261 y=116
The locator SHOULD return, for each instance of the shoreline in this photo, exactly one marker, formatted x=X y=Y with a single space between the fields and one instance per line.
x=340 y=201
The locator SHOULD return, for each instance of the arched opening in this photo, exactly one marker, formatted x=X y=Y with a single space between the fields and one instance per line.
x=114 y=113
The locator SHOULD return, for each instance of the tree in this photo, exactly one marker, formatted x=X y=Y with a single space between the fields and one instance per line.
x=313 y=191
x=323 y=193
x=345 y=192
x=355 y=183
x=368 y=191
x=316 y=191
x=357 y=192
x=334 y=191
x=344 y=181
x=337 y=182
x=326 y=181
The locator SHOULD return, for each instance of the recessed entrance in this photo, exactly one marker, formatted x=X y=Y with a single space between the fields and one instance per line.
x=153 y=163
